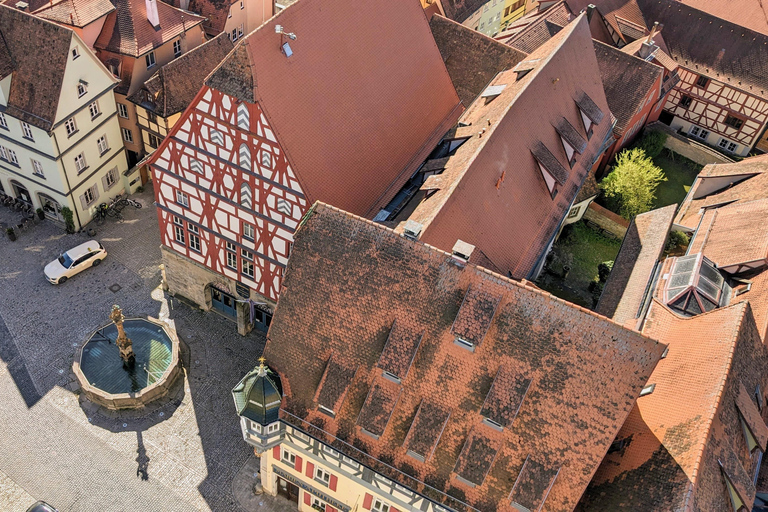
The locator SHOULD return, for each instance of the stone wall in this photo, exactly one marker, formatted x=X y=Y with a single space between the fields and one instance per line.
x=696 y=151
x=187 y=279
x=606 y=220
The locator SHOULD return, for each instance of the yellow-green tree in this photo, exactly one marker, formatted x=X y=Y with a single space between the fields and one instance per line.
x=631 y=186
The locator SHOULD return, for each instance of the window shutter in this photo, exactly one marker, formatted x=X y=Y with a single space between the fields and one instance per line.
x=276 y=452
x=297 y=467
x=329 y=508
x=307 y=498
x=95 y=190
x=367 y=501
x=310 y=470
x=334 y=481
x=104 y=183
x=83 y=204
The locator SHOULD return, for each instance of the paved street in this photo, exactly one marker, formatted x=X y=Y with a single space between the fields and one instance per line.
x=57 y=447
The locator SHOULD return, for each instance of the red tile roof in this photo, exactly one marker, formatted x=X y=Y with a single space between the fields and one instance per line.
x=77 y=13
x=560 y=377
x=540 y=29
x=752 y=14
x=634 y=266
x=360 y=101
x=491 y=192
x=627 y=80
x=128 y=32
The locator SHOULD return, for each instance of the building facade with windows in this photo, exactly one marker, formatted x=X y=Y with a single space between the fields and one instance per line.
x=235 y=18
x=416 y=381
x=59 y=134
x=245 y=160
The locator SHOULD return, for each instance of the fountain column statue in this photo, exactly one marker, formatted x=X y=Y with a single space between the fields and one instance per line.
x=123 y=342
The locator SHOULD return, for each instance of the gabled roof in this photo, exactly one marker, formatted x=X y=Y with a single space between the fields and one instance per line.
x=36 y=83
x=128 y=32
x=627 y=80
x=558 y=378
x=173 y=87
x=76 y=13
x=623 y=16
x=472 y=58
x=712 y=46
x=215 y=12
x=362 y=101
x=536 y=27
x=492 y=188
x=752 y=14
x=719 y=184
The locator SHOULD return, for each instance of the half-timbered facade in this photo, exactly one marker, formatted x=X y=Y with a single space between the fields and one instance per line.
x=236 y=173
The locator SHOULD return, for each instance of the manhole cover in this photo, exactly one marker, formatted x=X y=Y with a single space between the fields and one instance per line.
x=115 y=288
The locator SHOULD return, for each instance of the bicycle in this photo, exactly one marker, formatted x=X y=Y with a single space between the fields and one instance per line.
x=28 y=213
x=133 y=203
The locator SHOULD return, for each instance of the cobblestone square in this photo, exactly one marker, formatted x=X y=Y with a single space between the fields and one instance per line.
x=56 y=446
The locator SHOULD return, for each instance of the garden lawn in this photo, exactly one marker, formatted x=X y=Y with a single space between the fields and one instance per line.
x=680 y=173
x=585 y=248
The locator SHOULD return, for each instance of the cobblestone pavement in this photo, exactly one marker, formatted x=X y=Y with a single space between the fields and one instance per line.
x=56 y=446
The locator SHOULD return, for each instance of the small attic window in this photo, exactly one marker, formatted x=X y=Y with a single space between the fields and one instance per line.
x=75 y=53
x=492 y=91
x=82 y=88
x=587 y=124
x=551 y=169
x=549 y=179
x=647 y=390
x=735 y=499
x=464 y=344
x=326 y=411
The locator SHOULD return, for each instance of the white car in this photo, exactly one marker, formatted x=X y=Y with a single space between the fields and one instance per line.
x=74 y=261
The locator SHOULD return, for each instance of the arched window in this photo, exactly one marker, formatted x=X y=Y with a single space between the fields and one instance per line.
x=244 y=156
x=243 y=117
x=246 y=196
x=266 y=159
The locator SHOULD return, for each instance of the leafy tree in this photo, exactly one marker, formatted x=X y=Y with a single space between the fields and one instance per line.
x=652 y=143
x=631 y=186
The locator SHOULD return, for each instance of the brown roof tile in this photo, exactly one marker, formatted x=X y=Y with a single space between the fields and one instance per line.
x=348 y=279
x=216 y=12
x=398 y=353
x=634 y=266
x=533 y=30
x=378 y=406
x=571 y=135
x=739 y=478
x=475 y=315
x=334 y=383
x=511 y=203
x=128 y=32
x=472 y=58
x=752 y=14
x=506 y=396
x=173 y=87
x=627 y=80
x=533 y=484
x=77 y=13
x=379 y=111
x=36 y=83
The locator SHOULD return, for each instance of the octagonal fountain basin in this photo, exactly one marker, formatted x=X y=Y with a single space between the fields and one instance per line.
x=107 y=381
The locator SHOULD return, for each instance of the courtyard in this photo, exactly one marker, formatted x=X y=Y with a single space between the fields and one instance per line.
x=181 y=454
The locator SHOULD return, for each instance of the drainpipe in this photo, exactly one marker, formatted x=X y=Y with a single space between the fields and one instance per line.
x=66 y=178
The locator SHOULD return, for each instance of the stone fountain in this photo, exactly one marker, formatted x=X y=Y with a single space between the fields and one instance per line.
x=129 y=362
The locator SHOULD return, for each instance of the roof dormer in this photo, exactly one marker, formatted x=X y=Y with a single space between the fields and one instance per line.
x=590 y=113
x=551 y=169
x=695 y=286
x=573 y=143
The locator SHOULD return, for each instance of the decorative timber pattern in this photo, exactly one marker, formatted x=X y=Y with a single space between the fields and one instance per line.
x=227 y=197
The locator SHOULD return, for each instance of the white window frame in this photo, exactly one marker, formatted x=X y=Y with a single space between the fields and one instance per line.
x=27 y=130
x=322 y=476
x=178 y=221
x=82 y=90
x=12 y=157
x=177 y=48
x=111 y=178
x=80 y=163
x=37 y=168
x=231 y=260
x=75 y=53
x=318 y=504
x=273 y=427
x=179 y=234
x=287 y=456
x=122 y=110
x=380 y=506
x=150 y=60
x=93 y=108
x=194 y=241
x=102 y=144
x=89 y=196
x=182 y=198
x=127 y=135
x=3 y=121
x=249 y=232
x=246 y=264
x=70 y=126
x=331 y=451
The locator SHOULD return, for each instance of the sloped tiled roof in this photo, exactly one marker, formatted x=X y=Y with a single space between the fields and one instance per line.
x=627 y=80
x=717 y=48
x=492 y=193
x=173 y=87
x=215 y=12
x=348 y=279
x=36 y=83
x=624 y=16
x=752 y=14
x=536 y=28
x=633 y=268
x=472 y=59
x=128 y=32
x=742 y=181
x=379 y=94
x=77 y=13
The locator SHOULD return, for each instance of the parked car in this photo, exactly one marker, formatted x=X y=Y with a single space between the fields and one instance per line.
x=74 y=261
x=41 y=506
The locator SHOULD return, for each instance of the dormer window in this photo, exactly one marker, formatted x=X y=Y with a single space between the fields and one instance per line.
x=590 y=113
x=573 y=142
x=464 y=344
x=326 y=411
x=550 y=167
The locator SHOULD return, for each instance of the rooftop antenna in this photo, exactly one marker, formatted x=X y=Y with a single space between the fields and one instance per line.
x=284 y=46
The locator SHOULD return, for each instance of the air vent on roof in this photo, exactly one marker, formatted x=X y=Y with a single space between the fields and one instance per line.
x=22 y=6
x=462 y=251
x=412 y=230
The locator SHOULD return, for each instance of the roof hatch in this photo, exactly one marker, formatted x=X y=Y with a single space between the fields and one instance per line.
x=695 y=286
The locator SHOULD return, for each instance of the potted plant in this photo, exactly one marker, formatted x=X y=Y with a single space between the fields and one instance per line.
x=11 y=234
x=66 y=212
x=40 y=213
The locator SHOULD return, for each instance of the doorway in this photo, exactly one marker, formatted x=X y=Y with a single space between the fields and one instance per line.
x=21 y=192
x=288 y=490
x=51 y=207
x=223 y=303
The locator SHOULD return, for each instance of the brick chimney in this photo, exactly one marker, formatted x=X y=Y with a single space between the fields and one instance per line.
x=152 y=15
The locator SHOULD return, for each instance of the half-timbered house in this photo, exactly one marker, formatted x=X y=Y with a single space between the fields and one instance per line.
x=411 y=380
x=315 y=104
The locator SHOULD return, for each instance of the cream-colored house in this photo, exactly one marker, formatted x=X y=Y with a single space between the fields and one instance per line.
x=233 y=17
x=60 y=139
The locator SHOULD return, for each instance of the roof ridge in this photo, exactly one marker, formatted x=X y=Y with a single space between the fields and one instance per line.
x=318 y=206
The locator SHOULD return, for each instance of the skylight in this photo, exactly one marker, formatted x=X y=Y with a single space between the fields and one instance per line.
x=695 y=286
x=492 y=91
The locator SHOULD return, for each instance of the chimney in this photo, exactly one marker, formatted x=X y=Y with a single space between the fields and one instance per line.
x=152 y=13
x=654 y=31
x=648 y=46
x=462 y=251
x=412 y=230
x=590 y=11
x=22 y=6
